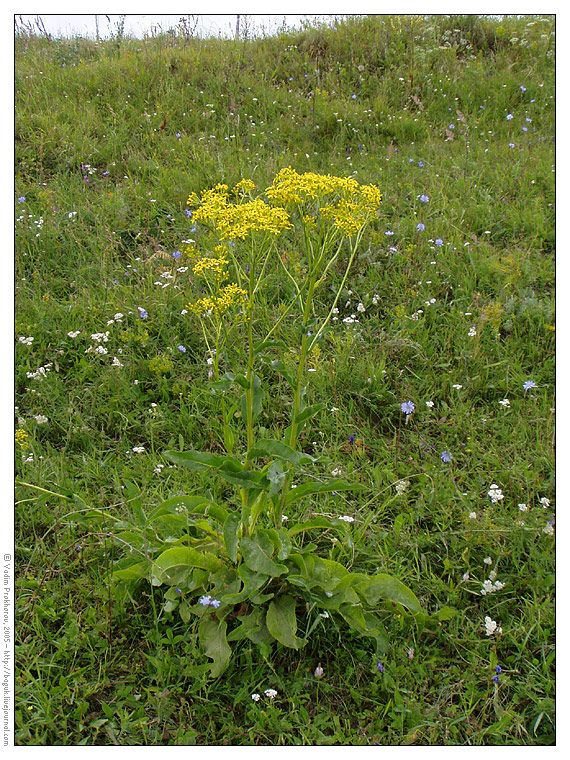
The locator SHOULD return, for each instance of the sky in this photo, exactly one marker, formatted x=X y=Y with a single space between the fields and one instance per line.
x=66 y=25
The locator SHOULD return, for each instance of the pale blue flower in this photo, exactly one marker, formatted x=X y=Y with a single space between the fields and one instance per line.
x=420 y=227
x=424 y=198
x=407 y=407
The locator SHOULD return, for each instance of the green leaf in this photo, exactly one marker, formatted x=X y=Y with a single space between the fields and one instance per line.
x=132 y=572
x=320 y=523
x=382 y=586
x=174 y=566
x=203 y=460
x=275 y=474
x=257 y=554
x=245 y=479
x=445 y=613
x=258 y=347
x=366 y=624
x=212 y=635
x=251 y=623
x=231 y=527
x=281 y=622
x=308 y=489
x=180 y=505
x=257 y=399
x=308 y=412
x=269 y=447
x=252 y=581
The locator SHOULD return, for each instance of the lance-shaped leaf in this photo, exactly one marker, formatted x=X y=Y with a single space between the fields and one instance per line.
x=320 y=523
x=308 y=412
x=308 y=489
x=203 y=460
x=231 y=527
x=269 y=447
x=132 y=572
x=212 y=635
x=182 y=505
x=281 y=622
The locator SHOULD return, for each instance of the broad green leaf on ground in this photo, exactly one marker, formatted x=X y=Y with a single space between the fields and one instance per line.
x=212 y=636
x=174 y=566
x=281 y=622
x=257 y=553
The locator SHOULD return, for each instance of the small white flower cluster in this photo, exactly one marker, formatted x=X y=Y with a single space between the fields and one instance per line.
x=350 y=320
x=495 y=493
x=41 y=372
x=523 y=508
x=416 y=315
x=430 y=404
x=138 y=449
x=489 y=587
x=118 y=317
x=346 y=518
x=548 y=530
x=269 y=693
x=40 y=419
x=545 y=502
x=375 y=298
x=336 y=472
x=472 y=331
x=158 y=469
x=73 y=333
x=401 y=486
x=491 y=626
x=25 y=341
x=505 y=402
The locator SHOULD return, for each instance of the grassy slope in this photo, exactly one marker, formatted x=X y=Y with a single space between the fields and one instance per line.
x=374 y=97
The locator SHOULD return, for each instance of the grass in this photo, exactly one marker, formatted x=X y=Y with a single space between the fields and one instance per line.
x=101 y=663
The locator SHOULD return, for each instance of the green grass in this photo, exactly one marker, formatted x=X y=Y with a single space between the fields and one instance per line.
x=103 y=664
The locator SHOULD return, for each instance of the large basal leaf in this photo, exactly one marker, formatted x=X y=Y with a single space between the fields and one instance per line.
x=308 y=489
x=251 y=582
x=388 y=588
x=257 y=553
x=281 y=621
x=180 y=505
x=174 y=566
x=132 y=572
x=365 y=624
x=212 y=635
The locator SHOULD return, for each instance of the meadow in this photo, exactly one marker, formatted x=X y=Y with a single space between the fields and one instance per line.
x=399 y=427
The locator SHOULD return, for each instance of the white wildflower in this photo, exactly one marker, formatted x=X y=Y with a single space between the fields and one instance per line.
x=25 y=341
x=256 y=697
x=271 y=693
x=361 y=308
x=346 y=518
x=336 y=472
x=401 y=486
x=545 y=502
x=491 y=626
x=472 y=332
x=505 y=402
x=138 y=449
x=73 y=333
x=116 y=362
x=548 y=530
x=429 y=404
x=457 y=386
x=488 y=561
x=40 y=419
x=472 y=515
x=523 y=508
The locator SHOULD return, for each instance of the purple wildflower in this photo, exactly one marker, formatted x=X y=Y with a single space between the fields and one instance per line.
x=424 y=198
x=379 y=667
x=407 y=407
x=438 y=242
x=420 y=227
x=446 y=457
x=143 y=314
x=176 y=255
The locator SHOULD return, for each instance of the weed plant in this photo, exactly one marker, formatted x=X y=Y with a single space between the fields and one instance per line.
x=431 y=388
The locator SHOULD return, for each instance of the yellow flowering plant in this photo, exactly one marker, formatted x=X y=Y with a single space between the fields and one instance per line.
x=238 y=566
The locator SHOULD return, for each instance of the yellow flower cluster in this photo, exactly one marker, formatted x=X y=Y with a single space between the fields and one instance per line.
x=244 y=186
x=216 y=266
x=238 y=220
x=291 y=187
x=348 y=216
x=228 y=296
x=22 y=438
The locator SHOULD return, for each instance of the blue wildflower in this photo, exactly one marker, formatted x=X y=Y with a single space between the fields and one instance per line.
x=523 y=88
x=182 y=349
x=176 y=255
x=205 y=600
x=421 y=164
x=21 y=199
x=498 y=669
x=353 y=97
x=215 y=603
x=388 y=233
x=410 y=160
x=509 y=116
x=352 y=437
x=178 y=591
x=452 y=126
x=143 y=314
x=511 y=145
x=528 y=384
x=407 y=407
x=495 y=679
x=446 y=457
x=438 y=242
x=188 y=213
x=379 y=667
x=424 y=198
x=420 y=227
